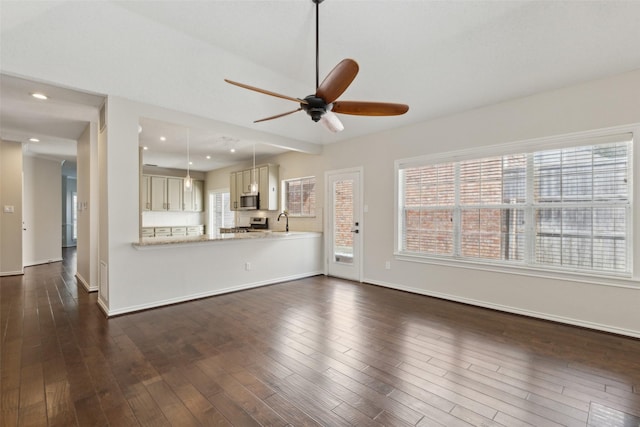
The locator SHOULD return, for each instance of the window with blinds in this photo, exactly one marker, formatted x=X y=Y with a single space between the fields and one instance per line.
x=299 y=196
x=219 y=208
x=566 y=208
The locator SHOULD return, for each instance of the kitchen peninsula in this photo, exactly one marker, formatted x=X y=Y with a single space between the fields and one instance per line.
x=209 y=238
x=182 y=268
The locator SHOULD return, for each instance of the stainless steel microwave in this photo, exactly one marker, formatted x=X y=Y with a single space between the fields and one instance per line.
x=249 y=201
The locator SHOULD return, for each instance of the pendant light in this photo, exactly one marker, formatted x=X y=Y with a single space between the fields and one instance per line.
x=254 y=185
x=188 y=182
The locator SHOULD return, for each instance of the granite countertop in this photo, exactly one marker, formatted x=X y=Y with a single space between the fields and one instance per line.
x=172 y=226
x=182 y=240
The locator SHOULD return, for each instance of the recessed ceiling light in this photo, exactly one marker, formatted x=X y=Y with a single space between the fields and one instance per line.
x=162 y=138
x=208 y=157
x=39 y=95
x=145 y=148
x=233 y=150
x=34 y=140
x=190 y=163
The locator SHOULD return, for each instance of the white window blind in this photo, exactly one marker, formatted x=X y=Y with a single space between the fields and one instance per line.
x=581 y=202
x=299 y=196
x=566 y=208
x=222 y=216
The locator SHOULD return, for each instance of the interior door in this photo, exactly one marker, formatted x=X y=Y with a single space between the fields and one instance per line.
x=344 y=228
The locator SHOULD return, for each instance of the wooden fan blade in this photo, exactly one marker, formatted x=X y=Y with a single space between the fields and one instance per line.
x=276 y=116
x=338 y=80
x=266 y=92
x=361 y=108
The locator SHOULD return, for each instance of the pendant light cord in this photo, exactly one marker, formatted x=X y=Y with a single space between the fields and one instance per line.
x=253 y=180
x=317 y=44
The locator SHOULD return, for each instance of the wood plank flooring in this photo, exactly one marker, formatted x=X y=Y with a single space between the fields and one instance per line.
x=312 y=352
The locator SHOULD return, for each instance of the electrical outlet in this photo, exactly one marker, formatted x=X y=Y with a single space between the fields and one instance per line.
x=387 y=265
x=247 y=266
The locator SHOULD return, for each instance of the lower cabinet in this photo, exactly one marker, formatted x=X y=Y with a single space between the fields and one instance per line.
x=147 y=232
x=178 y=231
x=162 y=232
x=187 y=230
x=197 y=230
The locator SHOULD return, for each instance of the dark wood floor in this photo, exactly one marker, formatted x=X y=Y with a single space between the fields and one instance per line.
x=318 y=351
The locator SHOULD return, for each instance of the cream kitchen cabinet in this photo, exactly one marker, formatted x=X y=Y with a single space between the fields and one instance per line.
x=195 y=230
x=266 y=178
x=194 y=199
x=240 y=182
x=145 y=193
x=234 y=194
x=268 y=187
x=166 y=193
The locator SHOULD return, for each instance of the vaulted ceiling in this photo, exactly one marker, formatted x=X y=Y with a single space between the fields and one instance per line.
x=440 y=57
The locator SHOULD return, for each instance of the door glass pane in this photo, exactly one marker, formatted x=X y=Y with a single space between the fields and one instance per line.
x=74 y=215
x=343 y=219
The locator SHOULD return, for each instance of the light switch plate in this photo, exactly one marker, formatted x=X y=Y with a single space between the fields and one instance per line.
x=8 y=209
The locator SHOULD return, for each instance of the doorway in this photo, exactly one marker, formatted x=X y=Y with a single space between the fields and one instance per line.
x=344 y=223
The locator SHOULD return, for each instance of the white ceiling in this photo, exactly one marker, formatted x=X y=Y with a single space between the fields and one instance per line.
x=440 y=57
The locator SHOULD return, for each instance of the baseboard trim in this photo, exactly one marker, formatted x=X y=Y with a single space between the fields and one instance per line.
x=509 y=309
x=43 y=261
x=12 y=273
x=85 y=284
x=103 y=307
x=156 y=304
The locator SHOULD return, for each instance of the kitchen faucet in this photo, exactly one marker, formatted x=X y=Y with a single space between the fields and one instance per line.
x=286 y=215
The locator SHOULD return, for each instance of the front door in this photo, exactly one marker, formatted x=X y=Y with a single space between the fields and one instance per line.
x=344 y=224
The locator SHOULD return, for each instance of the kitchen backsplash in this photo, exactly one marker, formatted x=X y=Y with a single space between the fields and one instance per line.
x=170 y=219
x=295 y=223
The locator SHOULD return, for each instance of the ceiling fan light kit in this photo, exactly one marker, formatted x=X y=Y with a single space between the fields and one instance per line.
x=323 y=105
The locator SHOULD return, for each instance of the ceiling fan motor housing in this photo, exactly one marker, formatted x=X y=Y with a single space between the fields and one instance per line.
x=315 y=107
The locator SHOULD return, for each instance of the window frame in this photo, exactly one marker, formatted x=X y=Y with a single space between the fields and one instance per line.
x=213 y=226
x=284 y=196
x=602 y=136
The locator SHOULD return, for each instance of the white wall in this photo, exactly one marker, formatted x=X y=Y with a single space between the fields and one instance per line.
x=612 y=305
x=87 y=246
x=141 y=278
x=42 y=239
x=594 y=105
x=10 y=196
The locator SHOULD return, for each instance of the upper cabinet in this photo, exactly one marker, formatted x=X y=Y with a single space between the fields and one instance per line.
x=268 y=187
x=163 y=193
x=266 y=178
x=193 y=200
x=166 y=194
x=145 y=193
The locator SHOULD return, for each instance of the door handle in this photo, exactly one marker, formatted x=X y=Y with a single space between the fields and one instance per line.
x=355 y=231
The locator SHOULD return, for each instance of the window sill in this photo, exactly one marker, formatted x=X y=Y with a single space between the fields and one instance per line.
x=618 y=280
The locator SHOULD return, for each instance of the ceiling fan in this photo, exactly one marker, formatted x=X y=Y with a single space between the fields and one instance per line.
x=323 y=105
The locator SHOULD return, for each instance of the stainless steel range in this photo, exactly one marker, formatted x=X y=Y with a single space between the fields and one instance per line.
x=255 y=224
